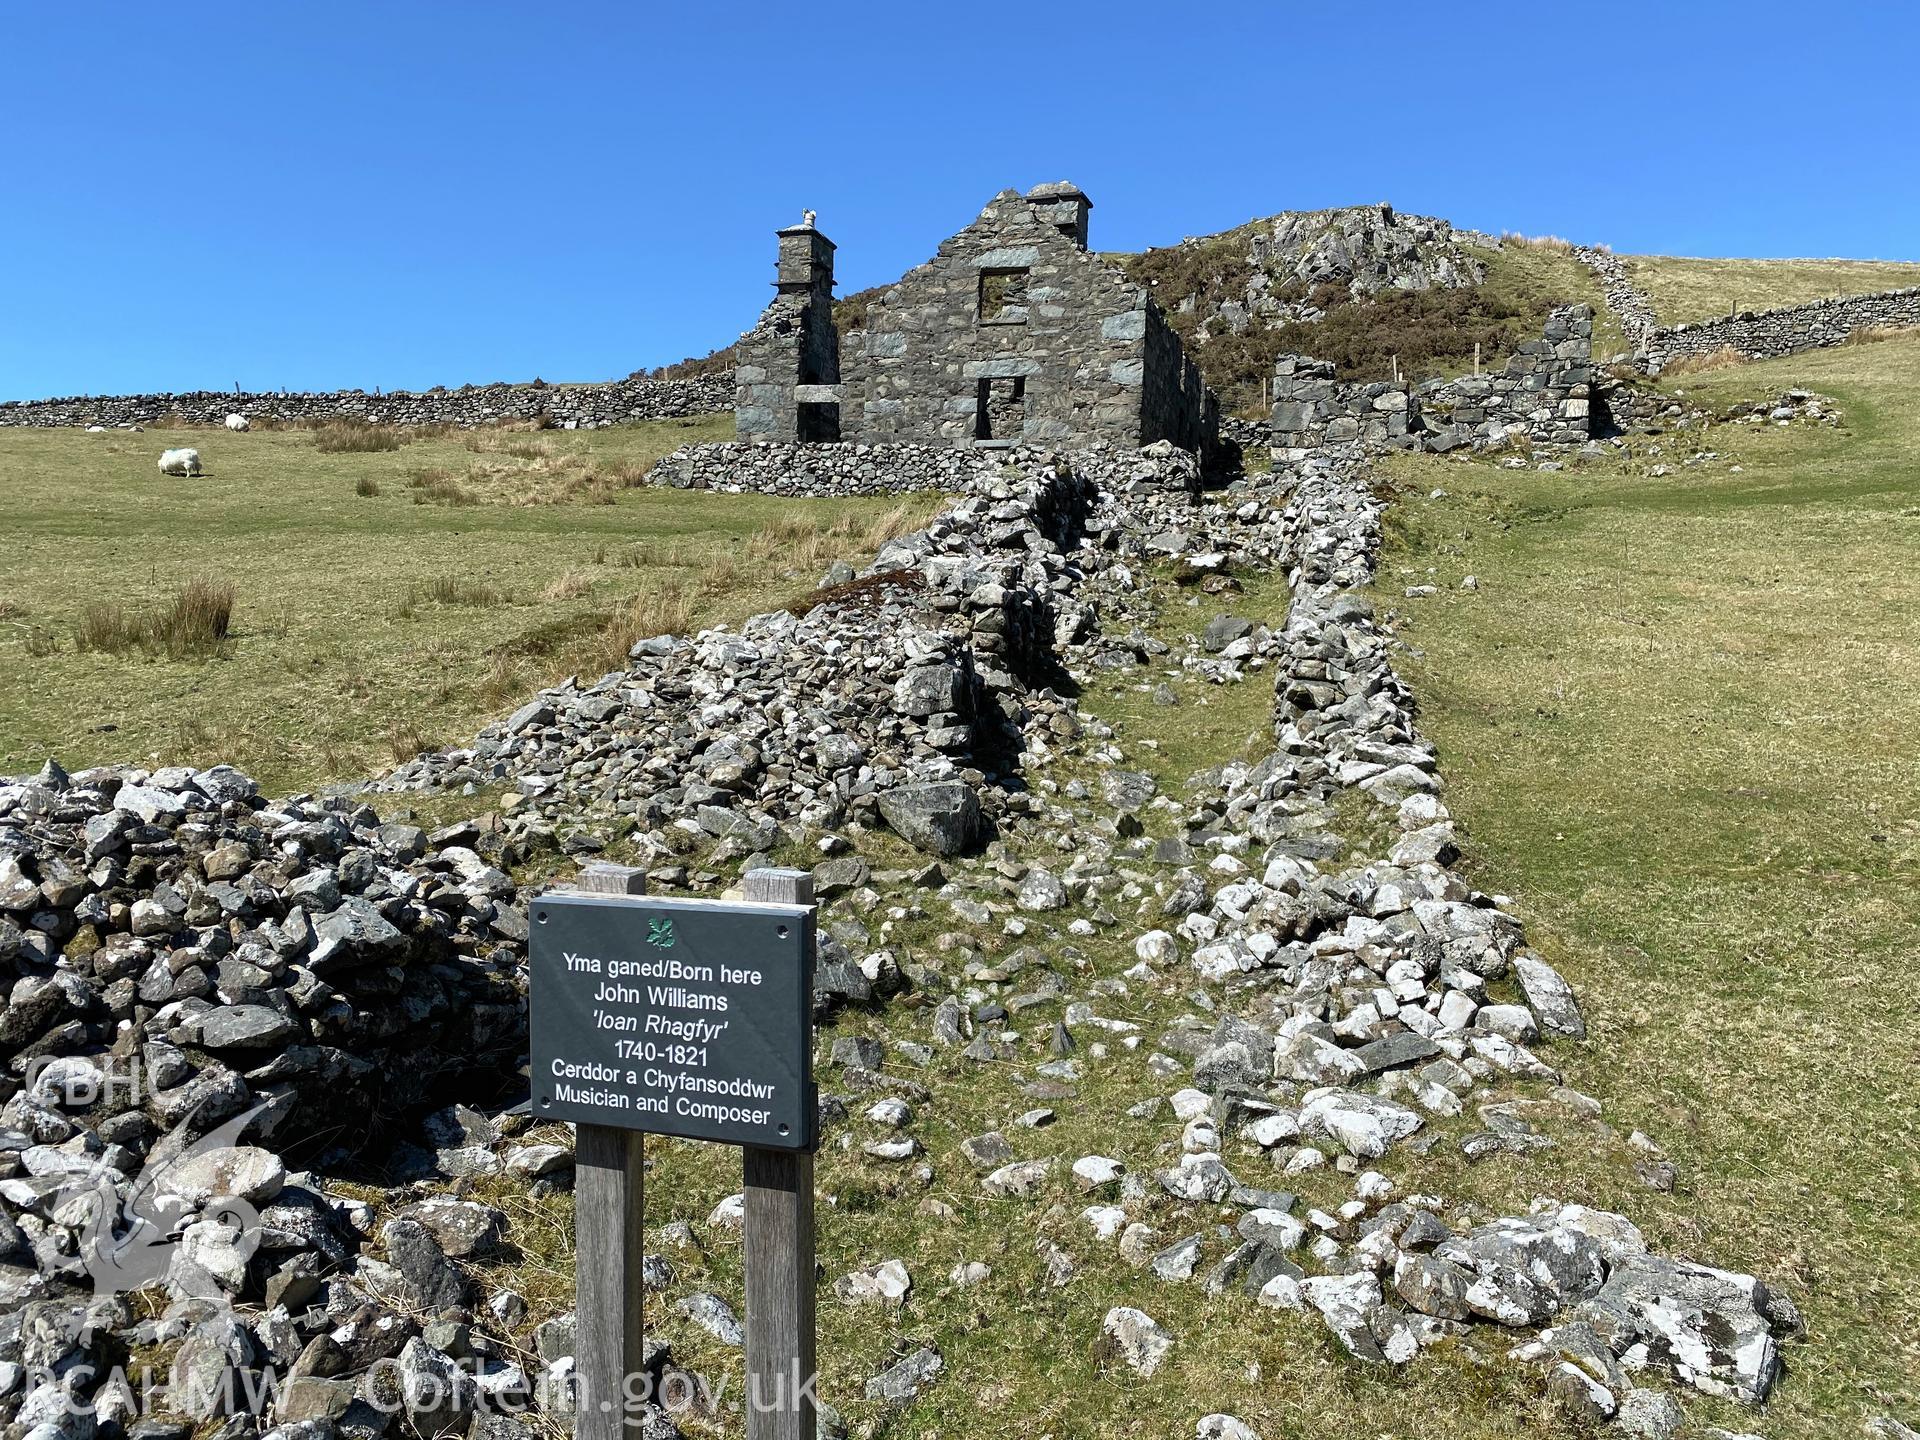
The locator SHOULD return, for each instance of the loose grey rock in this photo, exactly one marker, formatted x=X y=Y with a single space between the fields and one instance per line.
x=906 y=1377
x=943 y=817
x=1136 y=1339
x=715 y=1316
x=1550 y=997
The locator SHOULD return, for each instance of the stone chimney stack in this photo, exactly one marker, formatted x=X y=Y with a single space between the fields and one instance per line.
x=787 y=374
x=806 y=261
x=1065 y=208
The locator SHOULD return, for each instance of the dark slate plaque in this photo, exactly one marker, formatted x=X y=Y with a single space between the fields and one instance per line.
x=677 y=1017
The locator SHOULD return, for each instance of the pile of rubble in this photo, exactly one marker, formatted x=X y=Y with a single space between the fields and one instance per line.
x=195 y=974
x=895 y=700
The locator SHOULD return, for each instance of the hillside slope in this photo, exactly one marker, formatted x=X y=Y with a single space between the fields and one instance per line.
x=1372 y=290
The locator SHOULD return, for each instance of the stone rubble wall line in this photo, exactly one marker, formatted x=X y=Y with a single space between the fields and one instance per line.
x=566 y=407
x=1398 y=1278
x=848 y=468
x=1630 y=304
x=906 y=676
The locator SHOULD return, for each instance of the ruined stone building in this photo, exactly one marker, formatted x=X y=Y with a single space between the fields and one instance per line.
x=1013 y=333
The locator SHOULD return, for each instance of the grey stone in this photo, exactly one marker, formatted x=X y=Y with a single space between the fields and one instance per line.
x=1550 y=997
x=1136 y=1339
x=942 y=817
x=715 y=1316
x=906 y=1377
x=415 y=1254
x=355 y=934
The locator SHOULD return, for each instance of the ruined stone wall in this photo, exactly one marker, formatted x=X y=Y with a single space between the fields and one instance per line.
x=1765 y=334
x=1058 y=341
x=790 y=359
x=1175 y=403
x=764 y=369
x=1311 y=409
x=1543 y=395
x=567 y=407
x=1544 y=392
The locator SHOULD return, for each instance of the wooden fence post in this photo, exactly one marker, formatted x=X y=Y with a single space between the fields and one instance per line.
x=609 y=1232
x=779 y=1252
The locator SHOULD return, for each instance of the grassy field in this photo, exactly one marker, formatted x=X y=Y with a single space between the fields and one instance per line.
x=1684 y=290
x=384 y=600
x=1677 y=718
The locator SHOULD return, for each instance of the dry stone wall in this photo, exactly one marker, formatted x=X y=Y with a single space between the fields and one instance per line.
x=567 y=407
x=744 y=467
x=1765 y=334
x=1628 y=301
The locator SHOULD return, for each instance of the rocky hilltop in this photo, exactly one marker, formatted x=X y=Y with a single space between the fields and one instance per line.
x=1265 y=272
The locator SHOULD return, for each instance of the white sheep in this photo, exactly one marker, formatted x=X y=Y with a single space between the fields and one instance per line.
x=237 y=422
x=180 y=462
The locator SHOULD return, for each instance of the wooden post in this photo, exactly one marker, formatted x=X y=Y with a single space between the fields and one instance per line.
x=779 y=1252
x=1476 y=359
x=609 y=1244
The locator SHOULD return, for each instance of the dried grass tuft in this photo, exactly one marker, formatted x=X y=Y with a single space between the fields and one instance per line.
x=1536 y=242
x=569 y=586
x=1725 y=358
x=193 y=625
x=349 y=436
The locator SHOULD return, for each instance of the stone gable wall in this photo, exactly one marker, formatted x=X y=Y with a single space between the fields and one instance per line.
x=567 y=407
x=1766 y=334
x=1095 y=359
x=765 y=375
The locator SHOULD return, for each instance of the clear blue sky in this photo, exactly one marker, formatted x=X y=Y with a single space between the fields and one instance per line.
x=401 y=194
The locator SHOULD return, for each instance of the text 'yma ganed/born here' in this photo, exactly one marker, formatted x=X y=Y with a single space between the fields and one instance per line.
x=659 y=969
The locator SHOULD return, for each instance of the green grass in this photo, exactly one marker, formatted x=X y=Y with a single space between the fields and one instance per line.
x=1684 y=290
x=1677 y=720
x=364 y=625
x=1212 y=723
